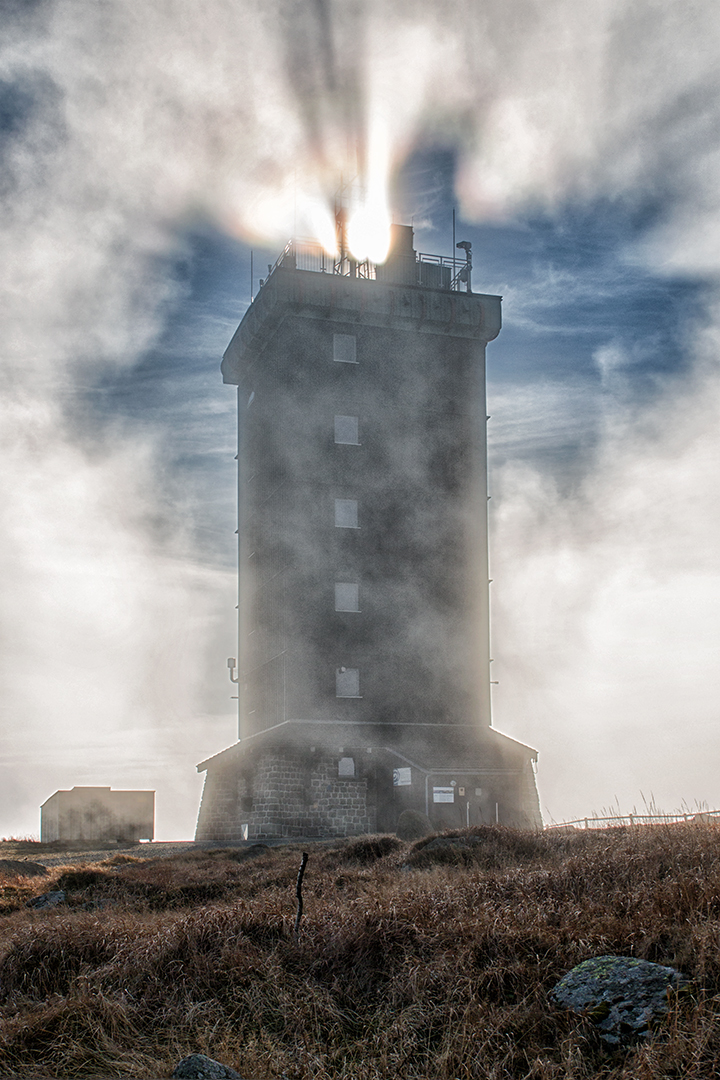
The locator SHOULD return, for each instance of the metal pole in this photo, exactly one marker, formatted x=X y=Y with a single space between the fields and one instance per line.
x=251 y=278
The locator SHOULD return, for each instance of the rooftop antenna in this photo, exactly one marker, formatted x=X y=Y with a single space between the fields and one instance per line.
x=252 y=278
x=345 y=264
x=465 y=273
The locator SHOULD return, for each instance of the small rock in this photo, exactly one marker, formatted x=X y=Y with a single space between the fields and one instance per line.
x=200 y=1067
x=48 y=899
x=621 y=995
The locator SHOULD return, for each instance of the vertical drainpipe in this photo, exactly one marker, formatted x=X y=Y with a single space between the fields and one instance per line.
x=477 y=538
x=240 y=645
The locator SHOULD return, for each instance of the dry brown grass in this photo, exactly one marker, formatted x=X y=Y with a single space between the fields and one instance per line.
x=413 y=962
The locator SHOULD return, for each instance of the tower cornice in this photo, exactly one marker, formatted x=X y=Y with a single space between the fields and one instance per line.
x=337 y=299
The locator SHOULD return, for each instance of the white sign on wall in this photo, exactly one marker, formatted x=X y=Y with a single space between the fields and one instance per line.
x=443 y=794
x=402 y=777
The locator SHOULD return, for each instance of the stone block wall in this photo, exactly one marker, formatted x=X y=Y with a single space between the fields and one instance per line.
x=530 y=816
x=284 y=794
x=219 y=817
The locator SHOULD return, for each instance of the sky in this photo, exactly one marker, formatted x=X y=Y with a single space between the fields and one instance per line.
x=145 y=150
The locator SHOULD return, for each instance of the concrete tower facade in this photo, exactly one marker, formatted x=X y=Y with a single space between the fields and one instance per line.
x=363 y=668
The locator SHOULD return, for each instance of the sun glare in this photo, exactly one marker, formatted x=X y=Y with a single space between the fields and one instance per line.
x=297 y=205
x=319 y=223
x=368 y=229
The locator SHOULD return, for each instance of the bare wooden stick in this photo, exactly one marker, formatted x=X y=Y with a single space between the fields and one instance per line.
x=298 y=893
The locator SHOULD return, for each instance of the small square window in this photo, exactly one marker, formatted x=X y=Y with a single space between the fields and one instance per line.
x=344 y=348
x=347 y=682
x=346 y=430
x=346 y=514
x=347 y=596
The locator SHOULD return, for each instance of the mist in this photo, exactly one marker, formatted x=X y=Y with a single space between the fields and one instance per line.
x=607 y=603
x=123 y=128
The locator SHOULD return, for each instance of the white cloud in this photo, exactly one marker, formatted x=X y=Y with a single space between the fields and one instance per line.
x=607 y=609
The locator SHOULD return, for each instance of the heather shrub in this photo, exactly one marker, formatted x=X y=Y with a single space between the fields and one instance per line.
x=412 y=825
x=491 y=846
x=365 y=850
x=76 y=879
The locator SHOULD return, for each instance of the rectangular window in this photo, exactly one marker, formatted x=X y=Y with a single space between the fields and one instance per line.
x=346 y=767
x=346 y=514
x=346 y=430
x=347 y=682
x=347 y=596
x=344 y=348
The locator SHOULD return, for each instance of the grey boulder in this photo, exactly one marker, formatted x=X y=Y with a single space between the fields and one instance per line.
x=48 y=899
x=622 y=996
x=200 y=1067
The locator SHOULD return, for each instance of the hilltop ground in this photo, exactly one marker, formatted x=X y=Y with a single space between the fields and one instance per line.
x=411 y=962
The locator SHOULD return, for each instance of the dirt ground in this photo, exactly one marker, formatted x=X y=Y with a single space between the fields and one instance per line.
x=58 y=854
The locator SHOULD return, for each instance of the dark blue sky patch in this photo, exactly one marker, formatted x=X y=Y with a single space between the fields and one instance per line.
x=571 y=282
x=579 y=312
x=175 y=395
x=16 y=107
x=31 y=112
x=24 y=16
x=587 y=326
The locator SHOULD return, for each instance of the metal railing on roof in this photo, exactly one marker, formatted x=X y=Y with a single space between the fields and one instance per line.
x=309 y=255
x=305 y=254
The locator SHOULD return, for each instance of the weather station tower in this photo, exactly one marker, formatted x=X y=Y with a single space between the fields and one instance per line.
x=363 y=666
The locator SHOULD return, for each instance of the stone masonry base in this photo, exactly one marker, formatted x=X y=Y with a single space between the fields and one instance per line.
x=285 y=794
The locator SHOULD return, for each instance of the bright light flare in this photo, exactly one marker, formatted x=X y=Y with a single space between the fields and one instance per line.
x=297 y=207
x=368 y=228
x=368 y=231
x=321 y=224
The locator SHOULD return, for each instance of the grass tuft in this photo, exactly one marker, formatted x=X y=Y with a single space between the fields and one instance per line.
x=368 y=849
